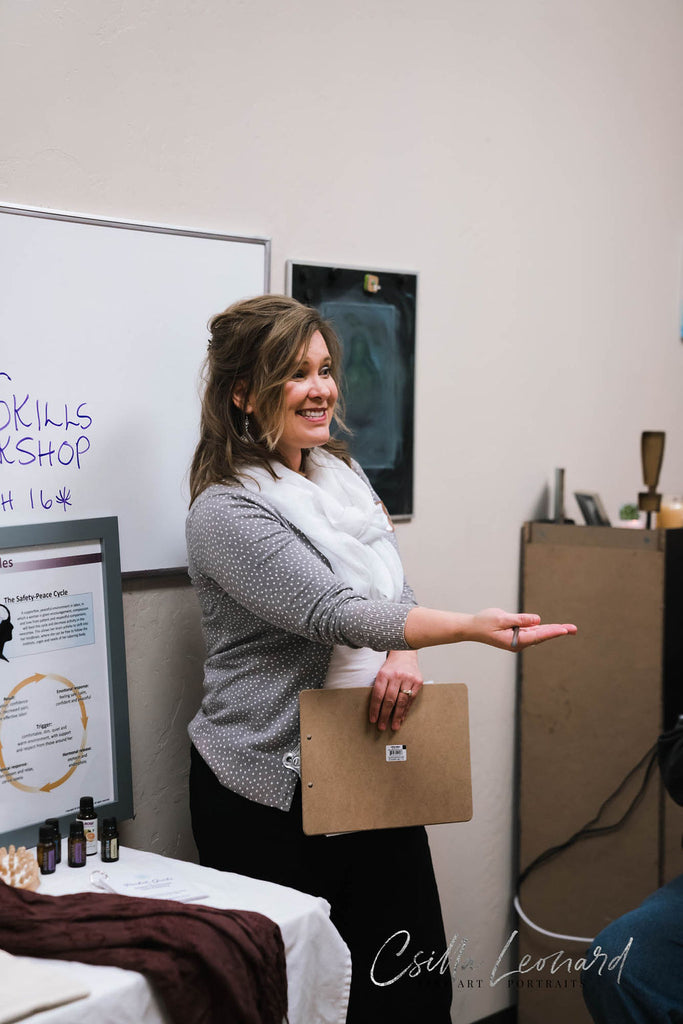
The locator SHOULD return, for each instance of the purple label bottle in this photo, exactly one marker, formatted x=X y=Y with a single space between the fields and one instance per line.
x=77 y=852
x=47 y=850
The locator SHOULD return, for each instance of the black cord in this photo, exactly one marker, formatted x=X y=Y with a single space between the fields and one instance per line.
x=588 y=831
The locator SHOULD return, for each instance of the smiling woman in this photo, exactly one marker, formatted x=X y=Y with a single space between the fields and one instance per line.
x=309 y=400
x=270 y=373
x=297 y=570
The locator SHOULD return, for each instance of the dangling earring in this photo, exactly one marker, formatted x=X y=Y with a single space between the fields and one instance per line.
x=246 y=436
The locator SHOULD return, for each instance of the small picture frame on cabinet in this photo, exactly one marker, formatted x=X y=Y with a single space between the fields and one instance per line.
x=592 y=509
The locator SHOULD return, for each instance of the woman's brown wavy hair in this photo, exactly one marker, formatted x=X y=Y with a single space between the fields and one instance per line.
x=255 y=347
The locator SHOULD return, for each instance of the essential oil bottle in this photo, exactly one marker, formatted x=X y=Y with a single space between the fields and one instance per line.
x=47 y=856
x=77 y=854
x=109 y=847
x=88 y=816
x=58 y=838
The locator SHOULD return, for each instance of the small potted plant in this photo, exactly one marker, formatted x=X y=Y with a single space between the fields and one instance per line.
x=629 y=516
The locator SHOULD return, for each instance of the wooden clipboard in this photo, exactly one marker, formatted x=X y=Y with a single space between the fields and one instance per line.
x=354 y=777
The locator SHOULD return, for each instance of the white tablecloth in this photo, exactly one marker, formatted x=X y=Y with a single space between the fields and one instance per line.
x=318 y=961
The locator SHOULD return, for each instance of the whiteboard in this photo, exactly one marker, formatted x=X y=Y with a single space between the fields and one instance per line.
x=102 y=336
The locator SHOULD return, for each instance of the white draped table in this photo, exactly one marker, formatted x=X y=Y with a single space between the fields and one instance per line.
x=318 y=961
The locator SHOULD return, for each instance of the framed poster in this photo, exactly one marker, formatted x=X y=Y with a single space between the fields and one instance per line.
x=63 y=694
x=373 y=313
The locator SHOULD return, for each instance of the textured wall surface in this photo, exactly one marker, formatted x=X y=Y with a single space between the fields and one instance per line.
x=164 y=663
x=525 y=158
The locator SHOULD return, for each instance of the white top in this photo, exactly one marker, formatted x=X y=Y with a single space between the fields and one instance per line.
x=351 y=666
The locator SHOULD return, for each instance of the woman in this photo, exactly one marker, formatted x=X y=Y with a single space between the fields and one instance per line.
x=300 y=583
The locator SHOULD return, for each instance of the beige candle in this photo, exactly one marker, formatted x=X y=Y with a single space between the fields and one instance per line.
x=670 y=515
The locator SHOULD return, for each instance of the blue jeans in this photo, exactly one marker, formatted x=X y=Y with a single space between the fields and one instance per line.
x=650 y=989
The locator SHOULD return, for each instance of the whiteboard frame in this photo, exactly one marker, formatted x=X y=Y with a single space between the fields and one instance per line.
x=155 y=228
x=136 y=225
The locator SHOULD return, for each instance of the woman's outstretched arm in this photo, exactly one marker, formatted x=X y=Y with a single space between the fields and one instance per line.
x=428 y=627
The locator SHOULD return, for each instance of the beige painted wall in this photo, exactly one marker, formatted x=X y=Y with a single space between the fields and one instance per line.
x=525 y=156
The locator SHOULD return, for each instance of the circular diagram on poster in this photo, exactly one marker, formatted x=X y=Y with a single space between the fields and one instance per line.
x=43 y=732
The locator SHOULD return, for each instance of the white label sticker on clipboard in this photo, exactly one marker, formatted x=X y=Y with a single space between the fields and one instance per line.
x=397 y=752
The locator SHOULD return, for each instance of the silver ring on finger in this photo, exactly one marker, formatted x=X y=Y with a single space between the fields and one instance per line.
x=408 y=693
x=515 y=638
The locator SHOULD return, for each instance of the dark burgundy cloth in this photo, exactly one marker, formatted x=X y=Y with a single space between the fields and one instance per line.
x=208 y=966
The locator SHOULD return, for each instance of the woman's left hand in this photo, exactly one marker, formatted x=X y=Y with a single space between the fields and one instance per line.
x=397 y=685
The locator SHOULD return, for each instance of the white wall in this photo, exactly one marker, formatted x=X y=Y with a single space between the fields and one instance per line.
x=525 y=156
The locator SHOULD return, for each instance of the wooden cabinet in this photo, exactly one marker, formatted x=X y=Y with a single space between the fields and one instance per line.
x=590 y=706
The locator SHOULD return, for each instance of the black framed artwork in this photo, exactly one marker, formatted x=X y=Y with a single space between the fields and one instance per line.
x=592 y=509
x=373 y=313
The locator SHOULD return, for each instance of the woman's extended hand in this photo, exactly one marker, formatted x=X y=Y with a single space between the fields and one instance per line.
x=429 y=627
x=390 y=700
x=513 y=632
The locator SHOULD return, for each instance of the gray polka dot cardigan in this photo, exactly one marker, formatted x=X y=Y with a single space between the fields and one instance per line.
x=271 y=611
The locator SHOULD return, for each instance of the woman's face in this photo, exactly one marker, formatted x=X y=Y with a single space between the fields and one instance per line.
x=310 y=397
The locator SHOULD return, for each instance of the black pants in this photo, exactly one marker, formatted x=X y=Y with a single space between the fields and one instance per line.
x=379 y=884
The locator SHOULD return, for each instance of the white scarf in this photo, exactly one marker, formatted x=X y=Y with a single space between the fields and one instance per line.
x=333 y=507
